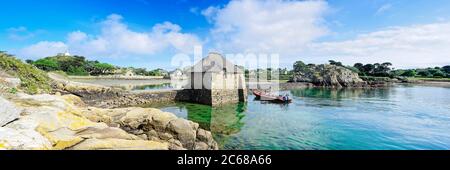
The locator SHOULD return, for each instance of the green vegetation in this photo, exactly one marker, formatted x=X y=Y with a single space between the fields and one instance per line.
x=435 y=72
x=384 y=72
x=79 y=66
x=266 y=74
x=429 y=79
x=13 y=90
x=32 y=79
x=144 y=72
x=376 y=70
x=73 y=65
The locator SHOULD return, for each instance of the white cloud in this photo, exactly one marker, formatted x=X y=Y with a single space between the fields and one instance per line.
x=20 y=33
x=76 y=36
x=271 y=26
x=116 y=39
x=293 y=29
x=408 y=46
x=383 y=9
x=210 y=13
x=44 y=49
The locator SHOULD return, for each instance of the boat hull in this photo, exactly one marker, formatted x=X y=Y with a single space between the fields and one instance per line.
x=264 y=97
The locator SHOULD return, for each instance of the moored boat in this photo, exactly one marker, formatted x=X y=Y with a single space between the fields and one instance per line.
x=260 y=95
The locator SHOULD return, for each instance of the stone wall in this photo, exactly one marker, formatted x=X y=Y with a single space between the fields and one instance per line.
x=140 y=98
x=202 y=96
x=223 y=96
x=107 y=97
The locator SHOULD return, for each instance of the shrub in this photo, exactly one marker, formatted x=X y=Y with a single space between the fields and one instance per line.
x=409 y=73
x=46 y=64
x=77 y=71
x=32 y=79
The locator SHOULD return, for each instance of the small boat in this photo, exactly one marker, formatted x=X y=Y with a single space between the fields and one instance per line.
x=260 y=95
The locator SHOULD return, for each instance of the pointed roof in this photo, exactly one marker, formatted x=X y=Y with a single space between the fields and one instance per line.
x=215 y=62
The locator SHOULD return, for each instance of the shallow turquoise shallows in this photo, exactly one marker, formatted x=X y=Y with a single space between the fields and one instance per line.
x=399 y=117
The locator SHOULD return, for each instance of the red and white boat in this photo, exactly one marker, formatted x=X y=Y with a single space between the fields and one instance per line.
x=260 y=95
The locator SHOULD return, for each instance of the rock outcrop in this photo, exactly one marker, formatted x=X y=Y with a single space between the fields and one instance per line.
x=330 y=76
x=108 y=97
x=64 y=122
x=55 y=122
x=153 y=124
x=45 y=121
x=9 y=112
x=85 y=90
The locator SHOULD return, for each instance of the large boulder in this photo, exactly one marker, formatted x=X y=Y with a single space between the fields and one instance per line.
x=329 y=75
x=154 y=124
x=183 y=131
x=119 y=144
x=87 y=91
x=56 y=122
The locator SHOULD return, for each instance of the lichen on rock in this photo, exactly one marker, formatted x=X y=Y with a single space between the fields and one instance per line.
x=64 y=122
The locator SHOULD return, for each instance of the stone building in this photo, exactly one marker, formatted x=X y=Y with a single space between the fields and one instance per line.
x=215 y=81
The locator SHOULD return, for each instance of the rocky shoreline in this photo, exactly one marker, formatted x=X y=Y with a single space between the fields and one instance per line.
x=64 y=121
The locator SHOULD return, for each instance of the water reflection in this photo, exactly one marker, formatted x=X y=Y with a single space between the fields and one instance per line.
x=400 y=117
x=222 y=121
x=174 y=84
x=339 y=94
x=151 y=87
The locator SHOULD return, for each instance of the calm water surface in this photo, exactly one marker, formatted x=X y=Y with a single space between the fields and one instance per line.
x=399 y=117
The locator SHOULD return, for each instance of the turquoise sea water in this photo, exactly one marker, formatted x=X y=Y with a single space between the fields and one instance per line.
x=399 y=117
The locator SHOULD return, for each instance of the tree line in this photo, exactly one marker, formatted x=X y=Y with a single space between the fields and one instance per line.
x=80 y=66
x=383 y=70
x=73 y=65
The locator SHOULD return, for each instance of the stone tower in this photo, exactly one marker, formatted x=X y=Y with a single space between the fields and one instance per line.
x=215 y=81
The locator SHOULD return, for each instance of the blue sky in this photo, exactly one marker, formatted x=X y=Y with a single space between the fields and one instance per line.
x=147 y=33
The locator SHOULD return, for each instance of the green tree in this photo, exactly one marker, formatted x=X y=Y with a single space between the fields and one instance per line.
x=368 y=69
x=409 y=73
x=140 y=71
x=300 y=66
x=446 y=69
x=332 y=62
x=102 y=68
x=439 y=74
x=47 y=64
x=424 y=73
x=78 y=71
x=359 y=66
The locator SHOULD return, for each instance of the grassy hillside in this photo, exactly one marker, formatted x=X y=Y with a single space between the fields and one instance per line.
x=32 y=79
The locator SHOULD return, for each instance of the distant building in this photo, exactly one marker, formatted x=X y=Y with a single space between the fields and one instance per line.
x=129 y=73
x=215 y=81
x=64 y=54
x=163 y=73
x=177 y=74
